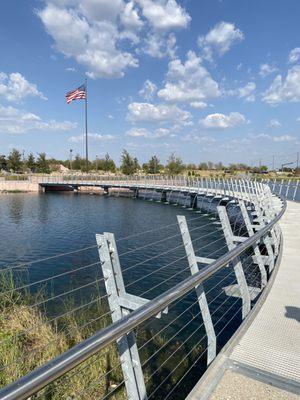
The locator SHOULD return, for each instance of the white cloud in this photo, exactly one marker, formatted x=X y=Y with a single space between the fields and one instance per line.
x=266 y=69
x=189 y=81
x=262 y=136
x=208 y=140
x=100 y=10
x=246 y=92
x=91 y=41
x=163 y=132
x=146 y=112
x=274 y=123
x=222 y=121
x=148 y=90
x=284 y=138
x=284 y=90
x=158 y=45
x=96 y=137
x=164 y=15
x=198 y=104
x=220 y=39
x=294 y=55
x=138 y=132
x=15 y=87
x=153 y=145
x=93 y=32
x=130 y=17
x=145 y=133
x=13 y=120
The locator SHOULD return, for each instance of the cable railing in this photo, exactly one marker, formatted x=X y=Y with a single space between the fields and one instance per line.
x=285 y=187
x=140 y=312
x=288 y=188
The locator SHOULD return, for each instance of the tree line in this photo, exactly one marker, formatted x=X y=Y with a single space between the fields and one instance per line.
x=17 y=163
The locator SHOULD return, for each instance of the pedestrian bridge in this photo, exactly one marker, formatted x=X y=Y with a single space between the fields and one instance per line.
x=244 y=326
x=263 y=360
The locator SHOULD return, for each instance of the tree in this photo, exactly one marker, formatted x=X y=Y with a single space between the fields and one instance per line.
x=30 y=162
x=154 y=166
x=3 y=162
x=78 y=163
x=105 y=164
x=14 y=161
x=203 y=166
x=210 y=165
x=42 y=164
x=219 y=166
x=109 y=164
x=129 y=165
x=175 y=165
x=191 y=167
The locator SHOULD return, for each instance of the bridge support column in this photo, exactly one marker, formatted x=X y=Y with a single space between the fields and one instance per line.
x=136 y=193
x=193 y=200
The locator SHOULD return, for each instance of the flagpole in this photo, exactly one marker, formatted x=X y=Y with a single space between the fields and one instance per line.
x=86 y=129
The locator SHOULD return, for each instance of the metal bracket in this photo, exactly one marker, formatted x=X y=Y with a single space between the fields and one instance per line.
x=121 y=303
x=193 y=263
x=238 y=268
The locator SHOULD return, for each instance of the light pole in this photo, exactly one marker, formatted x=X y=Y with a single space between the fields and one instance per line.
x=70 y=159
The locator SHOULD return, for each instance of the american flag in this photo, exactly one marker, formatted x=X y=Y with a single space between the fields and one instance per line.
x=77 y=94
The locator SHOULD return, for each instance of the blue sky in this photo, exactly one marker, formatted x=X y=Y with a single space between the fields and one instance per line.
x=209 y=80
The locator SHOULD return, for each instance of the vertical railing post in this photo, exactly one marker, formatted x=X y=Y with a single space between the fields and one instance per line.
x=295 y=191
x=267 y=239
x=130 y=361
x=258 y=255
x=192 y=260
x=237 y=264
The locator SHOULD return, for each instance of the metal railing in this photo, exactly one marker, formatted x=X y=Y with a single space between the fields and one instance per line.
x=239 y=238
x=288 y=188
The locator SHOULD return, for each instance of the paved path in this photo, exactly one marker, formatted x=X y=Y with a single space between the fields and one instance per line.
x=267 y=356
x=272 y=342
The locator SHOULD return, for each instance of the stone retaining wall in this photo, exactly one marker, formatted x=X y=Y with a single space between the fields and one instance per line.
x=11 y=186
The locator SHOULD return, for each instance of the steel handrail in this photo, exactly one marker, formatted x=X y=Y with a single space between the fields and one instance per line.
x=54 y=369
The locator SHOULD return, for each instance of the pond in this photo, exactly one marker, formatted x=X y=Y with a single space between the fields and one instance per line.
x=153 y=259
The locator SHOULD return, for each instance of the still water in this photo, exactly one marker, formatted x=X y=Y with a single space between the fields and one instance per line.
x=37 y=226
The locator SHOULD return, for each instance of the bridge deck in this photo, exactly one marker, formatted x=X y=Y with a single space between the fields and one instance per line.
x=269 y=350
x=272 y=342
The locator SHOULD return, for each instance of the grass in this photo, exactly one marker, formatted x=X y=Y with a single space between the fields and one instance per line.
x=28 y=341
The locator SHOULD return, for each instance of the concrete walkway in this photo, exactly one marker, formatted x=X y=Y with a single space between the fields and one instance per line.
x=272 y=342
x=265 y=362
